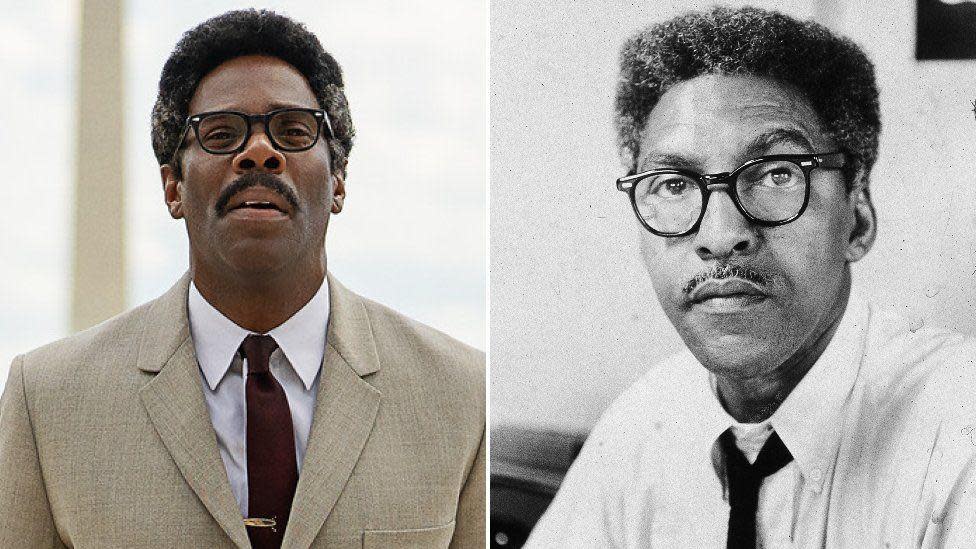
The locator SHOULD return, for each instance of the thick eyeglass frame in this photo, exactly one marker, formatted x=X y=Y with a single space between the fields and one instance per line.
x=726 y=181
x=194 y=120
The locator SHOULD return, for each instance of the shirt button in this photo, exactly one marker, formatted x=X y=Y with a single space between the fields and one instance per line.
x=816 y=475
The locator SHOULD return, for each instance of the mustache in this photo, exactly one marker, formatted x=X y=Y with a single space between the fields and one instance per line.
x=728 y=270
x=255 y=179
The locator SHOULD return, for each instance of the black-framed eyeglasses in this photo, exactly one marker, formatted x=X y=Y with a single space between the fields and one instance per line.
x=769 y=190
x=227 y=132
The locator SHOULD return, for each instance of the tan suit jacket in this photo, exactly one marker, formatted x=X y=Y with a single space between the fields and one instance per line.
x=105 y=439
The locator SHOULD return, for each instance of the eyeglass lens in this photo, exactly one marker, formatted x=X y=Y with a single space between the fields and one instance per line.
x=290 y=130
x=773 y=191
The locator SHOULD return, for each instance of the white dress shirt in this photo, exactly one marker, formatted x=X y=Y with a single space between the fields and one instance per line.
x=881 y=430
x=295 y=364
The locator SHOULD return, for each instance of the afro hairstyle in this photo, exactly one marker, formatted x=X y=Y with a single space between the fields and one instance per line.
x=248 y=32
x=832 y=73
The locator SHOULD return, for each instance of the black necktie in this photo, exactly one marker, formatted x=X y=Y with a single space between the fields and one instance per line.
x=272 y=472
x=744 y=482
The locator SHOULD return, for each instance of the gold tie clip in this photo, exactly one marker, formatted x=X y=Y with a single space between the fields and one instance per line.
x=261 y=523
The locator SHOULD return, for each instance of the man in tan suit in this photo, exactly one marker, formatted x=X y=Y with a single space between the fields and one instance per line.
x=258 y=403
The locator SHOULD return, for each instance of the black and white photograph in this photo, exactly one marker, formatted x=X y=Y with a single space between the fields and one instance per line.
x=733 y=275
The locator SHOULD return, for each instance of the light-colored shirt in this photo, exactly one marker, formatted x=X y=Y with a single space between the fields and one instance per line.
x=881 y=430
x=295 y=364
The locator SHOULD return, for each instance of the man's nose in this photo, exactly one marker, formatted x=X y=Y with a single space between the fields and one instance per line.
x=724 y=231
x=259 y=154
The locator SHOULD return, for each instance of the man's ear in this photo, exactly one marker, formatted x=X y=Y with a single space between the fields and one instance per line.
x=865 y=226
x=338 y=192
x=172 y=191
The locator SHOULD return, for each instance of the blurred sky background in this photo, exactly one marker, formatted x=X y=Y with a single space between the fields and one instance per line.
x=412 y=233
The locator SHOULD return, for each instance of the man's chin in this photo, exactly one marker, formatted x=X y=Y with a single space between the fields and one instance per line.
x=257 y=256
x=741 y=354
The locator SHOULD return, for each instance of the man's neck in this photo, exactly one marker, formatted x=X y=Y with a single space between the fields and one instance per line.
x=259 y=305
x=755 y=399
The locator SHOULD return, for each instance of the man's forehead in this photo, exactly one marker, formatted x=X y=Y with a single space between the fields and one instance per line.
x=252 y=81
x=740 y=115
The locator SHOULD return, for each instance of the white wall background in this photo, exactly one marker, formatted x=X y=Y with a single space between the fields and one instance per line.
x=412 y=234
x=573 y=317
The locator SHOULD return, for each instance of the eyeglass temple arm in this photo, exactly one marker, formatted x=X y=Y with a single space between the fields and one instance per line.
x=176 y=151
x=626 y=182
x=831 y=160
x=328 y=123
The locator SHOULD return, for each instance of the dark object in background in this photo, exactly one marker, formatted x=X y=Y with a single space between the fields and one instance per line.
x=527 y=468
x=946 y=29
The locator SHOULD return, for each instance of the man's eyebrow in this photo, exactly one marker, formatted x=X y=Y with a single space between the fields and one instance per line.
x=666 y=160
x=762 y=143
x=759 y=146
x=279 y=105
x=274 y=106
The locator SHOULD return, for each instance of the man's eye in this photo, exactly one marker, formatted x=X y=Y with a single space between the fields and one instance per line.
x=673 y=187
x=298 y=131
x=779 y=178
x=214 y=136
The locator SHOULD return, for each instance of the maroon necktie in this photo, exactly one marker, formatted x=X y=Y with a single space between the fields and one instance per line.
x=272 y=472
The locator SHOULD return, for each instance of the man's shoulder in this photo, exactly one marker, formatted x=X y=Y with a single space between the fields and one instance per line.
x=97 y=362
x=897 y=334
x=671 y=381
x=901 y=353
x=414 y=343
x=914 y=378
x=637 y=436
x=417 y=364
x=665 y=395
x=104 y=344
x=116 y=341
x=914 y=395
x=422 y=369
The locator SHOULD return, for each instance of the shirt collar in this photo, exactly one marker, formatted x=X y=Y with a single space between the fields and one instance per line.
x=810 y=420
x=706 y=407
x=302 y=337
x=217 y=338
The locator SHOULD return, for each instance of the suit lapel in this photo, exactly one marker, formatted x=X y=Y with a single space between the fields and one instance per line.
x=345 y=412
x=176 y=406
